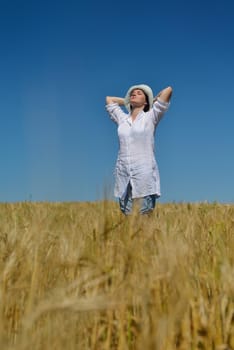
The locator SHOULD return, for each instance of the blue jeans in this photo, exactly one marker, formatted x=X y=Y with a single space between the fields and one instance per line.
x=145 y=204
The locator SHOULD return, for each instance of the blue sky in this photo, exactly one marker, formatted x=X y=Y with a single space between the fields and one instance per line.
x=59 y=59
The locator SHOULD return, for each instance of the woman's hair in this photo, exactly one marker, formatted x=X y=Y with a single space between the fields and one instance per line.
x=147 y=106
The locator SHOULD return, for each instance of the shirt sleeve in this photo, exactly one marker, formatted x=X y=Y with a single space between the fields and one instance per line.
x=116 y=113
x=158 y=110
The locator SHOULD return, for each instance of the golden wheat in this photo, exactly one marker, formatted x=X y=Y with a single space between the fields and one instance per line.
x=83 y=276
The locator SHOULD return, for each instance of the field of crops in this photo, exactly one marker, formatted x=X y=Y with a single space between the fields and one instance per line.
x=83 y=276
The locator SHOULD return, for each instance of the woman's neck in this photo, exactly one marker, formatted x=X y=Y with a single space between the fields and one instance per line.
x=135 y=111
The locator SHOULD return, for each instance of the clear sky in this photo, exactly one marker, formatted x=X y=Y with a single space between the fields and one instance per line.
x=59 y=59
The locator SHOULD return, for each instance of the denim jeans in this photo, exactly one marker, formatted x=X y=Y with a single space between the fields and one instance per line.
x=145 y=204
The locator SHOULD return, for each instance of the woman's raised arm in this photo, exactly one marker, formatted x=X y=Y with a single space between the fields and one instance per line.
x=119 y=100
x=164 y=95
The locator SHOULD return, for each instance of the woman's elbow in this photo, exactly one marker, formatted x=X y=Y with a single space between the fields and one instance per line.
x=108 y=100
x=169 y=90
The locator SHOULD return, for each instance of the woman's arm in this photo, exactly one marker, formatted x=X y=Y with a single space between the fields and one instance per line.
x=115 y=111
x=164 y=95
x=118 y=100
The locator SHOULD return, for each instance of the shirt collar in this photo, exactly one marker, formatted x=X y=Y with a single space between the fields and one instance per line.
x=139 y=116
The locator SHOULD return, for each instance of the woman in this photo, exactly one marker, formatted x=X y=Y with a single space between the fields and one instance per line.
x=136 y=175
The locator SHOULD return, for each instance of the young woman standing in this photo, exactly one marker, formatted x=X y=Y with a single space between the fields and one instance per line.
x=137 y=178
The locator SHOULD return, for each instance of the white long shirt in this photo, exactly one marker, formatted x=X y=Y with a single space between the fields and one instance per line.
x=136 y=161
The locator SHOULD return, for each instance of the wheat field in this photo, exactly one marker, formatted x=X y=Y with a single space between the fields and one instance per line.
x=83 y=276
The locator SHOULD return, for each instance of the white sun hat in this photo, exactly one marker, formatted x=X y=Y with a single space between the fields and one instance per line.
x=147 y=90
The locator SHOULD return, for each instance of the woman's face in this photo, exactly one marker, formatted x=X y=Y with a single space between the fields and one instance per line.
x=137 y=98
